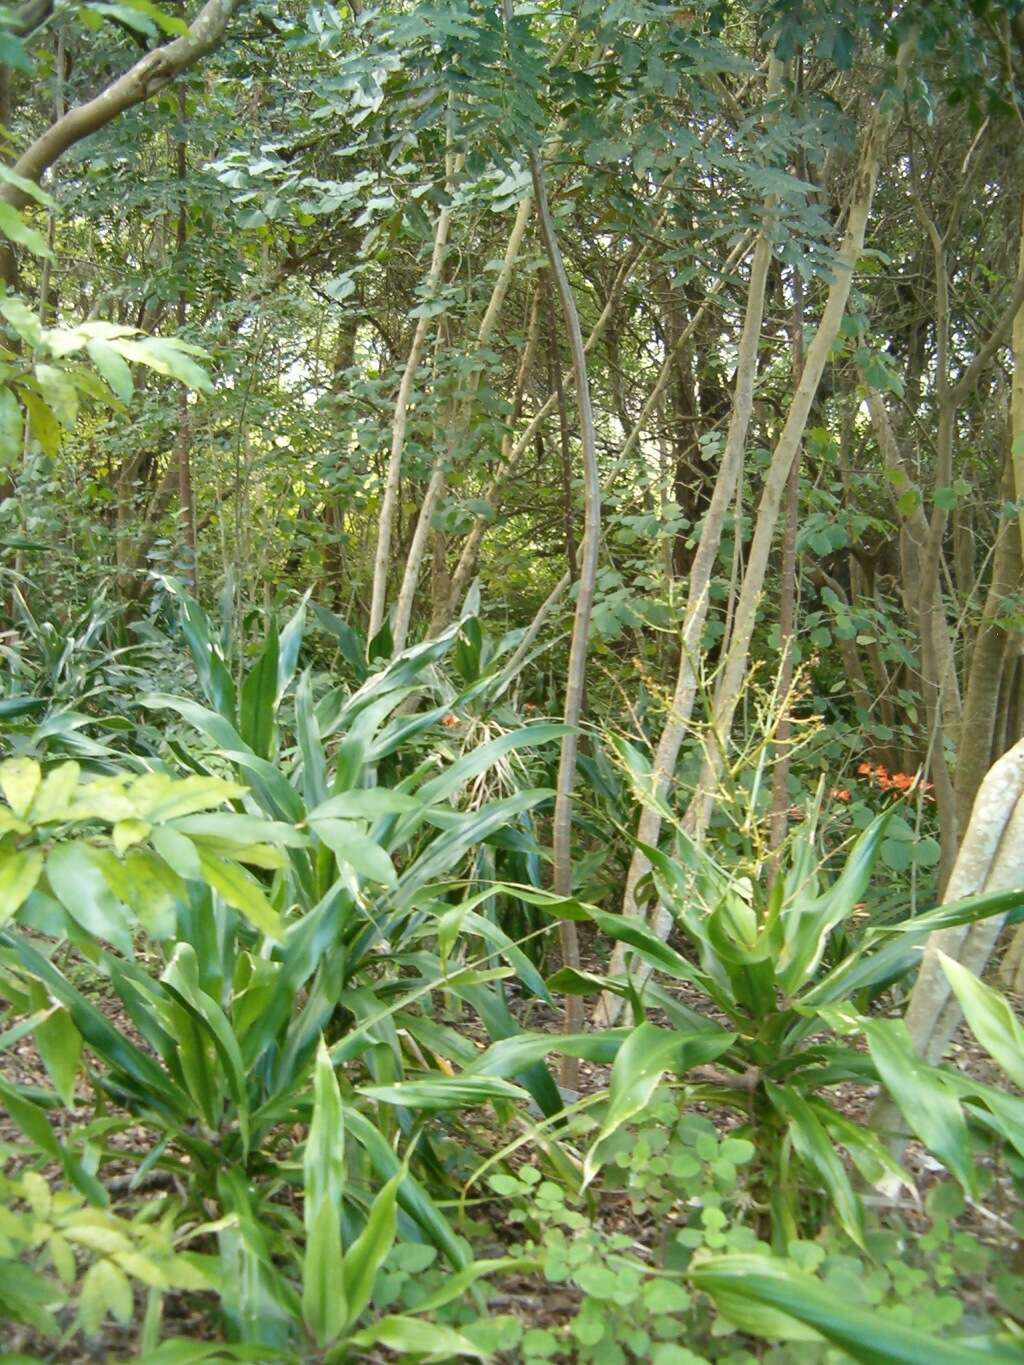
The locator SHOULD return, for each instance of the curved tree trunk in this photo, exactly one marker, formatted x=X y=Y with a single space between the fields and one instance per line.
x=991 y=858
x=146 y=78
x=981 y=733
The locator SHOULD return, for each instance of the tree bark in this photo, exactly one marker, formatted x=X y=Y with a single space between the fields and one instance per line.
x=400 y=421
x=1017 y=399
x=991 y=858
x=730 y=683
x=981 y=733
x=609 y=1005
x=914 y=534
x=183 y=438
x=459 y=420
x=576 y=676
x=141 y=82
x=787 y=608
x=565 y=456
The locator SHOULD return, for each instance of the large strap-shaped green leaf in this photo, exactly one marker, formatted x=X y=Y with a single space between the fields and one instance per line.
x=990 y=1017
x=100 y=1034
x=807 y=922
x=814 y=1146
x=923 y=1096
x=445 y=1092
x=866 y=1334
x=258 y=704
x=890 y=950
x=642 y=1060
x=324 y=1302
x=484 y=756
x=410 y=1194
x=511 y=1056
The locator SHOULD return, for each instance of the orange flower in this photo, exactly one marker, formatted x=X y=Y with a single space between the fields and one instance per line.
x=530 y=706
x=450 y=720
x=839 y=794
x=865 y=770
x=902 y=781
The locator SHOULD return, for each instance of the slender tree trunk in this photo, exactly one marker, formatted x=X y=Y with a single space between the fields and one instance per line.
x=51 y=217
x=731 y=678
x=787 y=607
x=400 y=421
x=458 y=420
x=565 y=455
x=576 y=676
x=1010 y=698
x=417 y=550
x=680 y=431
x=982 y=732
x=1017 y=398
x=186 y=499
x=440 y=578
x=8 y=260
x=931 y=611
x=666 y=755
x=914 y=533
x=183 y=437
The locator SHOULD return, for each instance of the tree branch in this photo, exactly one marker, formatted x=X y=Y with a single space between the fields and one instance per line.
x=141 y=82
x=988 y=348
x=30 y=16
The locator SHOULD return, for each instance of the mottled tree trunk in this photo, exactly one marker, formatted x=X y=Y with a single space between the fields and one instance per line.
x=787 y=606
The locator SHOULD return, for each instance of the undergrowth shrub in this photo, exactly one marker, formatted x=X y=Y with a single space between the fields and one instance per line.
x=263 y=964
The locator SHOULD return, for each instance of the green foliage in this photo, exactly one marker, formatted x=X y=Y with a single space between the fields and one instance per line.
x=59 y=1250
x=46 y=393
x=950 y=1111
x=766 y=961
x=253 y=952
x=276 y=957
x=702 y=1283
x=271 y=940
